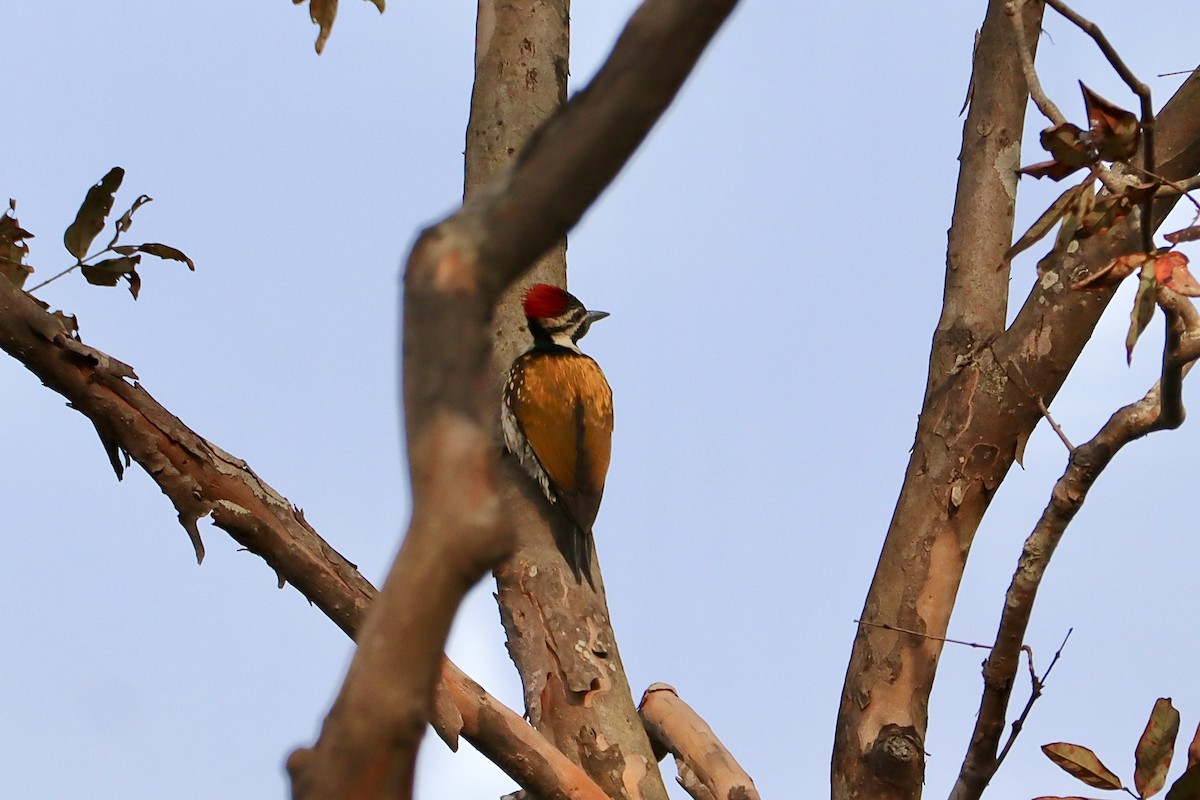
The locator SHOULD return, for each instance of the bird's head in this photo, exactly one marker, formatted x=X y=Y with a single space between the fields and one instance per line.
x=556 y=316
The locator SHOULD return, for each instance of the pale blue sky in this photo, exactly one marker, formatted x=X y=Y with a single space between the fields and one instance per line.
x=772 y=259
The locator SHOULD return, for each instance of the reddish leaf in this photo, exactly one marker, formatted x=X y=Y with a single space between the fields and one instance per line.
x=1083 y=764
x=1152 y=757
x=1113 y=272
x=1188 y=234
x=1143 y=308
x=89 y=220
x=1171 y=270
x=1165 y=264
x=1114 y=131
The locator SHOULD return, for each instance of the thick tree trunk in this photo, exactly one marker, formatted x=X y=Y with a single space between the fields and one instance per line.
x=982 y=401
x=559 y=633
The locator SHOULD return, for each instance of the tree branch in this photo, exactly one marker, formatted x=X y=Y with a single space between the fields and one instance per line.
x=973 y=416
x=201 y=479
x=878 y=745
x=1160 y=409
x=454 y=277
x=707 y=770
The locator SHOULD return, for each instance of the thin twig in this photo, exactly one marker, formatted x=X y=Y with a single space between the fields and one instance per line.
x=1013 y=8
x=898 y=629
x=1046 y=413
x=53 y=278
x=1036 y=685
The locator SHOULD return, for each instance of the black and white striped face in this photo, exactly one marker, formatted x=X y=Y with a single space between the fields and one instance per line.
x=566 y=329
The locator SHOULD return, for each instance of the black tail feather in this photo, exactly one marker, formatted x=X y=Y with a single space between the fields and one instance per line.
x=576 y=546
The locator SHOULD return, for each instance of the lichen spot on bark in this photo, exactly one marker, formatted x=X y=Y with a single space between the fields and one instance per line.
x=1008 y=160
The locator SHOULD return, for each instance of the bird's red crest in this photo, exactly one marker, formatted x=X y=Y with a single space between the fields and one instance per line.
x=543 y=301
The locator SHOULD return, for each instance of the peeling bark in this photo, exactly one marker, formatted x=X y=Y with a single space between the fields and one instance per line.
x=984 y=390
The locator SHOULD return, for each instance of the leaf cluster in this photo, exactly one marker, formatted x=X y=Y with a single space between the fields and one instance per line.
x=1113 y=135
x=90 y=220
x=1152 y=760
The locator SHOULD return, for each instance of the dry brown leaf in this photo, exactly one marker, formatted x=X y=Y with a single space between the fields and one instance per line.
x=1188 y=234
x=164 y=251
x=1083 y=764
x=1068 y=150
x=1045 y=222
x=89 y=220
x=1114 y=131
x=126 y=219
x=1155 y=749
x=109 y=272
x=13 y=248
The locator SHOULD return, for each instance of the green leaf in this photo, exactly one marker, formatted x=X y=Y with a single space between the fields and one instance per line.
x=89 y=220
x=1083 y=764
x=1143 y=308
x=1152 y=757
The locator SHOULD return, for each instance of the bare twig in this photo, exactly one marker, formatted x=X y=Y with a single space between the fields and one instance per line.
x=1058 y=430
x=885 y=626
x=1036 y=686
x=706 y=767
x=1036 y=92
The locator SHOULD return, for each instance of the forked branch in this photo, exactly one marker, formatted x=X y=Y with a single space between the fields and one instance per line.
x=201 y=479
x=1160 y=409
x=454 y=277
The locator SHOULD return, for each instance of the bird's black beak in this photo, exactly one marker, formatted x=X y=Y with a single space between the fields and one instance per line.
x=593 y=316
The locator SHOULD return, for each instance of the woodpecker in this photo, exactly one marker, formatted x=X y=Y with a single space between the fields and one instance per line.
x=557 y=416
